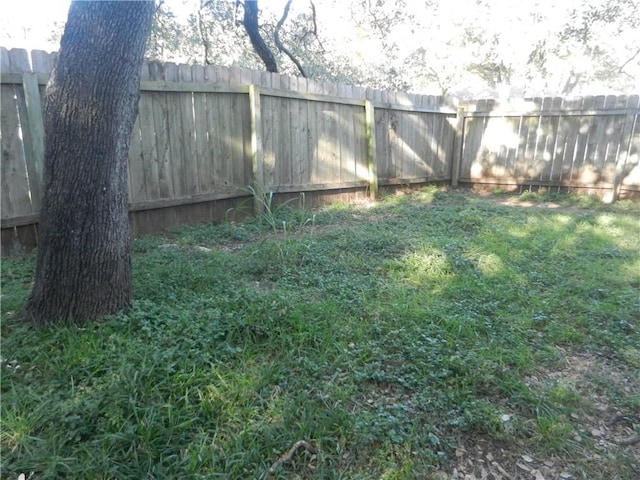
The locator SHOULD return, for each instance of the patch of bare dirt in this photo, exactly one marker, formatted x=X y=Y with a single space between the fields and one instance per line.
x=603 y=433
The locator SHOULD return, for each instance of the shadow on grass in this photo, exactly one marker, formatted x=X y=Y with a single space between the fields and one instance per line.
x=379 y=334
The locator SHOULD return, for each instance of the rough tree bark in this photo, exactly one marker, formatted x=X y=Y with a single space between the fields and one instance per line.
x=280 y=45
x=252 y=28
x=83 y=269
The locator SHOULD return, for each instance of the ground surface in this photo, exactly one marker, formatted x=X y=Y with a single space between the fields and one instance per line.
x=431 y=335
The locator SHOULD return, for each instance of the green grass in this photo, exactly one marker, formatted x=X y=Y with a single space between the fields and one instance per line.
x=388 y=336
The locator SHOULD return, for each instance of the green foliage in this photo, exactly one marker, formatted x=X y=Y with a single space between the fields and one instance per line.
x=541 y=48
x=278 y=214
x=384 y=336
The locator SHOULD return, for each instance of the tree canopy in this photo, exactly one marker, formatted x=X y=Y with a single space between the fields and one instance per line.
x=468 y=47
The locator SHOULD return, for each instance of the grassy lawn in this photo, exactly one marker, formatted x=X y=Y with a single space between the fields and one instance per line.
x=430 y=335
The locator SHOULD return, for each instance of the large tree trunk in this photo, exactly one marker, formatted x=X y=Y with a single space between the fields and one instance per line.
x=252 y=28
x=83 y=267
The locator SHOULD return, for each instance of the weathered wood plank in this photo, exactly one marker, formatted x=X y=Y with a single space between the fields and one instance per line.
x=345 y=152
x=284 y=160
x=313 y=138
x=136 y=179
x=188 y=134
x=382 y=140
x=19 y=220
x=150 y=163
x=546 y=146
x=432 y=133
x=269 y=137
x=571 y=128
x=471 y=165
x=323 y=139
x=176 y=86
x=257 y=163
x=409 y=158
x=395 y=146
x=371 y=147
x=459 y=133
x=179 y=166
x=193 y=136
x=428 y=141
x=33 y=137
x=555 y=169
x=295 y=142
x=187 y=200
x=628 y=167
x=305 y=160
x=325 y=161
x=630 y=173
x=319 y=187
x=241 y=153
x=449 y=141
x=361 y=145
x=403 y=158
x=217 y=121
x=16 y=138
x=161 y=162
x=203 y=157
x=225 y=166
x=15 y=190
x=332 y=125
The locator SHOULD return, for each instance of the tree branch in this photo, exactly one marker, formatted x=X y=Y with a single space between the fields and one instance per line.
x=287 y=457
x=203 y=33
x=629 y=61
x=315 y=24
x=252 y=28
x=280 y=45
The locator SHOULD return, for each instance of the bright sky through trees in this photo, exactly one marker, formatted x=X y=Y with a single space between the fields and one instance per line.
x=464 y=47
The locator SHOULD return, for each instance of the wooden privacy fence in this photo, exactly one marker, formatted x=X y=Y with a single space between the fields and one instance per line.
x=588 y=143
x=204 y=134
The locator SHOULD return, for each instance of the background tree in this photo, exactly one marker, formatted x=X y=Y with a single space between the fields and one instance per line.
x=468 y=48
x=252 y=27
x=83 y=269
x=168 y=37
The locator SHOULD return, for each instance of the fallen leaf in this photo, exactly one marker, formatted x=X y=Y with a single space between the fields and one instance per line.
x=539 y=475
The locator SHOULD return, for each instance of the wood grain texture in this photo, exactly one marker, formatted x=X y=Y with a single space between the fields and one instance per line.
x=194 y=132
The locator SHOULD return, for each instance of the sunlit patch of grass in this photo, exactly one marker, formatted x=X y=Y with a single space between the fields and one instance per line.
x=553 y=434
x=424 y=268
x=383 y=338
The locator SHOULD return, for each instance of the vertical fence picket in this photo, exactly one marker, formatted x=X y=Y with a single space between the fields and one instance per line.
x=215 y=138
x=630 y=141
x=16 y=138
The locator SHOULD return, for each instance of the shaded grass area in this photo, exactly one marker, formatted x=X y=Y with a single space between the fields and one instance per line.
x=386 y=335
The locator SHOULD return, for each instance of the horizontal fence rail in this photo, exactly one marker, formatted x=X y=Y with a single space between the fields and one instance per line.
x=204 y=134
x=592 y=142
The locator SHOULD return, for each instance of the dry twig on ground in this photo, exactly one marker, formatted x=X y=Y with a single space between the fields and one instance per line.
x=289 y=455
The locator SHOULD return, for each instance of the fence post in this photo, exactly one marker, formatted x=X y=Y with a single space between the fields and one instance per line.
x=370 y=134
x=458 y=140
x=257 y=163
